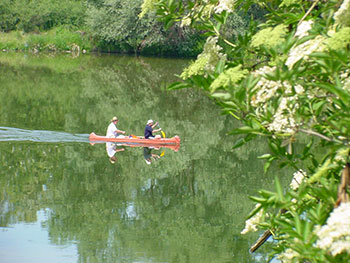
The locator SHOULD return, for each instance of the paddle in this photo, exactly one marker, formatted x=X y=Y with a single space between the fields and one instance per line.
x=163 y=135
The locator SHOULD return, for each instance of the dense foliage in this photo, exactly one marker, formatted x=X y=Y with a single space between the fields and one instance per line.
x=116 y=26
x=38 y=15
x=107 y=26
x=285 y=79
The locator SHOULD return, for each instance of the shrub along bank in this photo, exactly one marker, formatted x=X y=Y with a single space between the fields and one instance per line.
x=96 y=25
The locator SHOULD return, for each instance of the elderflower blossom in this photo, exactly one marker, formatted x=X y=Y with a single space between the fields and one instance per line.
x=289 y=2
x=206 y=61
x=342 y=154
x=147 y=6
x=298 y=178
x=207 y=10
x=303 y=29
x=288 y=255
x=335 y=235
x=186 y=21
x=304 y=50
x=269 y=37
x=342 y=16
x=283 y=120
x=266 y=88
x=345 y=79
x=339 y=40
x=225 y=5
x=251 y=223
x=228 y=77
x=346 y=85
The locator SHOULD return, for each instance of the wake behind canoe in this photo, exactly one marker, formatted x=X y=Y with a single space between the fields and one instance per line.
x=174 y=141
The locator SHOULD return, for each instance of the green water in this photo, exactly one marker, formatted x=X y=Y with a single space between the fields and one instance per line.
x=63 y=201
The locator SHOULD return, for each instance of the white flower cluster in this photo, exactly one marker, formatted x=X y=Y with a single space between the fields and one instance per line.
x=304 y=50
x=298 y=178
x=206 y=61
x=186 y=21
x=345 y=79
x=303 y=29
x=212 y=50
x=301 y=51
x=342 y=16
x=225 y=5
x=266 y=88
x=342 y=154
x=288 y=255
x=251 y=223
x=335 y=235
x=283 y=120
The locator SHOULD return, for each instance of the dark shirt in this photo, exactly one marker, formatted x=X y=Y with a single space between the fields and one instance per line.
x=147 y=153
x=148 y=132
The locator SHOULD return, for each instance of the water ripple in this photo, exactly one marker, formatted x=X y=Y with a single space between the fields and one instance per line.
x=15 y=134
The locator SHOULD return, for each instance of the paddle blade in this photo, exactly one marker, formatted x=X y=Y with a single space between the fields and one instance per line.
x=163 y=134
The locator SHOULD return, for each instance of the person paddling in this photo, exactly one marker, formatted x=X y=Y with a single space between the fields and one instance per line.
x=148 y=155
x=149 y=130
x=113 y=131
x=112 y=149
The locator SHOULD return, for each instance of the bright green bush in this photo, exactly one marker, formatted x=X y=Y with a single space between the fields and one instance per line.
x=57 y=39
x=116 y=24
x=40 y=15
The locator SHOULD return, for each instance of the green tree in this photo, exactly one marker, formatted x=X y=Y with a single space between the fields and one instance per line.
x=285 y=79
x=117 y=26
x=37 y=15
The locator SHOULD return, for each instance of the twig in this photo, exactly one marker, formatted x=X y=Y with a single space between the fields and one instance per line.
x=317 y=134
x=260 y=241
x=308 y=11
x=343 y=189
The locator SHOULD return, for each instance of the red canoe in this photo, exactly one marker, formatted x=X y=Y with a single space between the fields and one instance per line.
x=134 y=141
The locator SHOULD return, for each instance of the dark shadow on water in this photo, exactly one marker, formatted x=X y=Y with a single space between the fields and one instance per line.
x=15 y=134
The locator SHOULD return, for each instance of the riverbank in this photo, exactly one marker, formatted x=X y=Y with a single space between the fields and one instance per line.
x=61 y=40
x=55 y=40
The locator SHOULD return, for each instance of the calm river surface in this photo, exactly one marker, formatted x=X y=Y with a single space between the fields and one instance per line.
x=63 y=201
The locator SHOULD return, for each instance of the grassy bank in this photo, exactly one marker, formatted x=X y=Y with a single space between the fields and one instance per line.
x=56 y=40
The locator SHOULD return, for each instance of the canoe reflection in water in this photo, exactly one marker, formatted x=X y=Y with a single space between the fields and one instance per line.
x=112 y=149
x=136 y=141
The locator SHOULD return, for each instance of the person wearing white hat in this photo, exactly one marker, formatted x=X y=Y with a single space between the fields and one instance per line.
x=112 y=130
x=149 y=130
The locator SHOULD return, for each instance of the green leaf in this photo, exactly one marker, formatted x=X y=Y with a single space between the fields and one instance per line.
x=336 y=90
x=279 y=189
x=317 y=107
x=258 y=199
x=178 y=85
x=221 y=95
x=243 y=141
x=265 y=156
x=298 y=226
x=321 y=55
x=267 y=166
x=307 y=230
x=239 y=143
x=242 y=130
